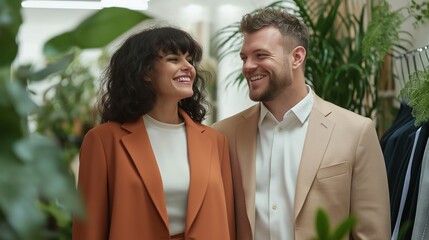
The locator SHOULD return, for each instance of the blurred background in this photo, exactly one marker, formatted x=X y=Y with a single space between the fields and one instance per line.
x=367 y=56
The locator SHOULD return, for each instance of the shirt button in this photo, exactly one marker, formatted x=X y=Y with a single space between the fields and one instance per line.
x=279 y=129
x=274 y=207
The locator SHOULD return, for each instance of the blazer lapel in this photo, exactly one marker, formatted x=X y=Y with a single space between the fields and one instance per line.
x=318 y=136
x=138 y=145
x=200 y=156
x=246 y=155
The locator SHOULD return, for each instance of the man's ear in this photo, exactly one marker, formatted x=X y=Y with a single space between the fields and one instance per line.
x=298 y=54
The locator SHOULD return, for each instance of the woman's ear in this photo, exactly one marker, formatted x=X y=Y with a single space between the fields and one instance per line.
x=147 y=78
x=298 y=55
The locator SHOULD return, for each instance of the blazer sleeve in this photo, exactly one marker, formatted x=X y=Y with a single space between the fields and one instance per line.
x=227 y=184
x=92 y=183
x=370 y=195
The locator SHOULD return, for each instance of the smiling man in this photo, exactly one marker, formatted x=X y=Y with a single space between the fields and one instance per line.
x=293 y=152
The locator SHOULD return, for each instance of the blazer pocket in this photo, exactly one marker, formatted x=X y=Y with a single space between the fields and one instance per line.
x=332 y=171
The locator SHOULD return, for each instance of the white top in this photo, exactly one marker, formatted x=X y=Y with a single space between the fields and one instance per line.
x=278 y=155
x=169 y=145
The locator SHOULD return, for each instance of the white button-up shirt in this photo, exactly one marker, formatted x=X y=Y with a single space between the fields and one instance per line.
x=278 y=155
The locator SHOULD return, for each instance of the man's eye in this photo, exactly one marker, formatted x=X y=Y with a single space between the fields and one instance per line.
x=172 y=59
x=261 y=55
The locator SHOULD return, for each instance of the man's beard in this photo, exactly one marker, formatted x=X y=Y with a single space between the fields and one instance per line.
x=267 y=95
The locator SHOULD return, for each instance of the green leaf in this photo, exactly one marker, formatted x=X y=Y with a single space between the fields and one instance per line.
x=6 y=232
x=53 y=67
x=42 y=175
x=322 y=225
x=344 y=228
x=59 y=44
x=8 y=48
x=4 y=79
x=96 y=31
x=17 y=200
x=20 y=98
x=10 y=20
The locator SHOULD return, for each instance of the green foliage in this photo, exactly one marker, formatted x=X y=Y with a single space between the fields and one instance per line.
x=96 y=31
x=383 y=31
x=25 y=73
x=416 y=93
x=10 y=20
x=38 y=194
x=420 y=12
x=30 y=170
x=68 y=110
x=324 y=231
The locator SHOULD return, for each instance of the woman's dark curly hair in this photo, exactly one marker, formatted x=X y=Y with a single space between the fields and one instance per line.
x=126 y=96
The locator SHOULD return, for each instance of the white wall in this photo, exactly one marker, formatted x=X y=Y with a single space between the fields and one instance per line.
x=421 y=34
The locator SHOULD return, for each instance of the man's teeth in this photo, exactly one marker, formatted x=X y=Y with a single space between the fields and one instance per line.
x=183 y=79
x=257 y=77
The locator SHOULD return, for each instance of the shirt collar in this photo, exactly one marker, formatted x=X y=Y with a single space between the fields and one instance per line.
x=301 y=110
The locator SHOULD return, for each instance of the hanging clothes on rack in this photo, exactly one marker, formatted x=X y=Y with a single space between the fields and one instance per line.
x=421 y=223
x=404 y=145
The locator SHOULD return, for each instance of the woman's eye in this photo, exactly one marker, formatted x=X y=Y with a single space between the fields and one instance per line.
x=172 y=59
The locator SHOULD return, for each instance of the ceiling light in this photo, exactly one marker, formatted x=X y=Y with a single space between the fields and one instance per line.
x=130 y=4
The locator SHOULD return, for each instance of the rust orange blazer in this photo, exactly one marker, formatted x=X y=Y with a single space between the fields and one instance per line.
x=122 y=188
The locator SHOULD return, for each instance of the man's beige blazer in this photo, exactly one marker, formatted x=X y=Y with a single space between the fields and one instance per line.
x=342 y=171
x=123 y=192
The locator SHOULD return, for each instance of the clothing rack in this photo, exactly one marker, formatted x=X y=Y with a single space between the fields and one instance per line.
x=406 y=151
x=409 y=62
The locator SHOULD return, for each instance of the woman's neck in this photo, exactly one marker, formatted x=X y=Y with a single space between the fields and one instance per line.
x=166 y=114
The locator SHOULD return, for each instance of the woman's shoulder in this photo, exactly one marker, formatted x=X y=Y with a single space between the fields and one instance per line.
x=107 y=128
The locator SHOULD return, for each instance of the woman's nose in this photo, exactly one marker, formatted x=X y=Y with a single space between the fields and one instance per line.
x=186 y=65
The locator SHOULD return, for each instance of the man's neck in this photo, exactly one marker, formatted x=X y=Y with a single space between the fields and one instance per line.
x=284 y=102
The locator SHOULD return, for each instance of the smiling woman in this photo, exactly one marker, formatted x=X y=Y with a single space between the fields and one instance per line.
x=172 y=77
x=151 y=162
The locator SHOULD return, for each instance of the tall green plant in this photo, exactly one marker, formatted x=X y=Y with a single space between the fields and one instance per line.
x=339 y=67
x=33 y=178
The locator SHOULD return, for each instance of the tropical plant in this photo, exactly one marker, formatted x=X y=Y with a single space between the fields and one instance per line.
x=37 y=191
x=346 y=49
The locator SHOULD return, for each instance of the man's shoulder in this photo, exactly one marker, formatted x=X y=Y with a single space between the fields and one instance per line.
x=234 y=120
x=336 y=111
x=344 y=119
